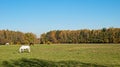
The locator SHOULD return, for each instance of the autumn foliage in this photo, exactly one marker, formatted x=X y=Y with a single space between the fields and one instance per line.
x=17 y=37
x=110 y=35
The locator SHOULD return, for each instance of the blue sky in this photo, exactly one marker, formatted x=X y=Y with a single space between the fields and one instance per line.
x=40 y=16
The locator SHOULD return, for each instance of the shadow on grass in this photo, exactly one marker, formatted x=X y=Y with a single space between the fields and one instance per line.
x=43 y=63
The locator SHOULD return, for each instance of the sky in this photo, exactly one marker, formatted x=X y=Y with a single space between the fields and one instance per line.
x=41 y=16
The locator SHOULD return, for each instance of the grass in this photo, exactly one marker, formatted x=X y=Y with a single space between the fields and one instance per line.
x=67 y=55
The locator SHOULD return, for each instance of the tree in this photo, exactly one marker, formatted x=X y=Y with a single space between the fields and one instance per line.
x=110 y=35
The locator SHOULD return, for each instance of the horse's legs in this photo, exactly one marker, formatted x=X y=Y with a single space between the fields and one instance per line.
x=28 y=50
x=20 y=50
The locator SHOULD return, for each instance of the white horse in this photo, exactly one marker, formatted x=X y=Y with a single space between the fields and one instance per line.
x=23 y=48
x=7 y=44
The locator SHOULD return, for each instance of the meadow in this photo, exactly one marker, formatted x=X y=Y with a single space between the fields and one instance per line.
x=61 y=55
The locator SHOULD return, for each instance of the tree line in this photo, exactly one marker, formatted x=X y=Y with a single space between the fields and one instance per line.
x=17 y=37
x=110 y=35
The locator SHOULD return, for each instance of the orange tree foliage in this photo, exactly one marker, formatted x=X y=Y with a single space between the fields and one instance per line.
x=110 y=35
x=17 y=37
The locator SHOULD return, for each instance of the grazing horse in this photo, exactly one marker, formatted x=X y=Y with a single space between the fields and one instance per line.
x=7 y=44
x=23 y=48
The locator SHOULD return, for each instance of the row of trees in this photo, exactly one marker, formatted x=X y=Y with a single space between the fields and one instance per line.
x=17 y=37
x=110 y=35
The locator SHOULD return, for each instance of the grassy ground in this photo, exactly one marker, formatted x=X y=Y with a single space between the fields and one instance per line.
x=67 y=55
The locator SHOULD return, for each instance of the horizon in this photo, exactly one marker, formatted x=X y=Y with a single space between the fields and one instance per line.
x=40 y=16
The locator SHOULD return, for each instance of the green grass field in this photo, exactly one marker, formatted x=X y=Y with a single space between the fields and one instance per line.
x=64 y=55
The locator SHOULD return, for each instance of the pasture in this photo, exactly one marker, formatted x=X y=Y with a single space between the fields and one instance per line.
x=62 y=55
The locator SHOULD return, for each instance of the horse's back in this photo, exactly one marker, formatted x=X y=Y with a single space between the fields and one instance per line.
x=25 y=46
